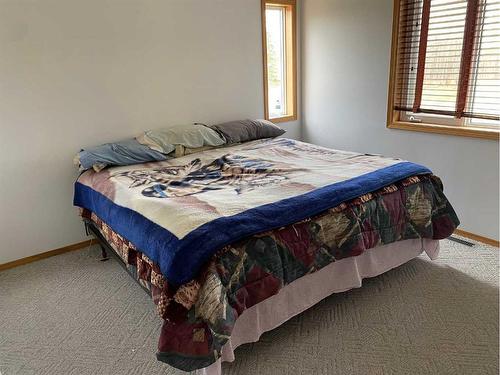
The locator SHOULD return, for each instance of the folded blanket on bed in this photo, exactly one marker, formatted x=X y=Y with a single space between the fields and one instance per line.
x=181 y=211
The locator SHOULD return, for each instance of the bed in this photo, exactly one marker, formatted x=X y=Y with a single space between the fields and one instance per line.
x=232 y=242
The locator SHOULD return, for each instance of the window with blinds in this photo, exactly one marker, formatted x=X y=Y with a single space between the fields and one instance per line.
x=446 y=63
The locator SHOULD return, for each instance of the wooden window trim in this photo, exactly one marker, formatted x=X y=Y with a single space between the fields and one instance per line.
x=393 y=120
x=291 y=59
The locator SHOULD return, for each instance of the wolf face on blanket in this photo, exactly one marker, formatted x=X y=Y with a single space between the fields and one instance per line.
x=229 y=171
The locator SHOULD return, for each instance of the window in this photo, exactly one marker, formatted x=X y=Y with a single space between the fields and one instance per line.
x=279 y=55
x=445 y=67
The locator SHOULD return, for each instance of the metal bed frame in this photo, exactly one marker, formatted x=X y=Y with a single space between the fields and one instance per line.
x=91 y=229
x=106 y=248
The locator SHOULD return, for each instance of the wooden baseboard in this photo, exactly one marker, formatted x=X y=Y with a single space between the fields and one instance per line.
x=46 y=254
x=80 y=245
x=476 y=237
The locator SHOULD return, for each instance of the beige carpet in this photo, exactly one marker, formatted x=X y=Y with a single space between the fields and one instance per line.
x=72 y=314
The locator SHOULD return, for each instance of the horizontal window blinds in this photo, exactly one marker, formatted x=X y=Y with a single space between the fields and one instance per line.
x=448 y=58
x=484 y=82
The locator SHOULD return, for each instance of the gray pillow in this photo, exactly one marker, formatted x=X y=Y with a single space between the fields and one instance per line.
x=247 y=130
x=191 y=136
x=119 y=153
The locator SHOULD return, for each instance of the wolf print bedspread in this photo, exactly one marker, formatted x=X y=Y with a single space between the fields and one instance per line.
x=181 y=211
x=199 y=315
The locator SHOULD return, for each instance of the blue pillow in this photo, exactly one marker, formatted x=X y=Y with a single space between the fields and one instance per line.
x=119 y=153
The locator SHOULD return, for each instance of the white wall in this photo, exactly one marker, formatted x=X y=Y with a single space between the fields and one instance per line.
x=345 y=69
x=77 y=73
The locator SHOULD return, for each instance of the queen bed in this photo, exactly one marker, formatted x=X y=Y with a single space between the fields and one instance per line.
x=233 y=241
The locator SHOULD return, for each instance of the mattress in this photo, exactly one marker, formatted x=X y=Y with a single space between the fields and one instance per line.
x=215 y=233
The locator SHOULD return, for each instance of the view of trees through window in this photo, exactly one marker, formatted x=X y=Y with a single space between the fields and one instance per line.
x=444 y=51
x=443 y=59
x=485 y=92
x=276 y=69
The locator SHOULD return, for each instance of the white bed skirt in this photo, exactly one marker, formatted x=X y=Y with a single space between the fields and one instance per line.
x=305 y=292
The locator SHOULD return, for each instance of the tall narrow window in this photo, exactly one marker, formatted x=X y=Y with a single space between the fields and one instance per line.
x=445 y=71
x=279 y=54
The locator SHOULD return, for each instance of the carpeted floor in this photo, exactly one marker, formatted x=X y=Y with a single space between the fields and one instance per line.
x=72 y=314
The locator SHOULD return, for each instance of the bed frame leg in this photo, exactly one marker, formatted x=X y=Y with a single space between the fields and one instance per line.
x=104 y=254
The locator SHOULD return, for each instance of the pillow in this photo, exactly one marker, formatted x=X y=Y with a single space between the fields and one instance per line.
x=180 y=150
x=190 y=136
x=119 y=153
x=247 y=130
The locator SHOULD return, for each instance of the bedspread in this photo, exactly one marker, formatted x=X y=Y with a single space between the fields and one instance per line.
x=199 y=314
x=181 y=211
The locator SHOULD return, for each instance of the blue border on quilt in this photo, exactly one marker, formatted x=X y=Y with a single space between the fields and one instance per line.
x=181 y=259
